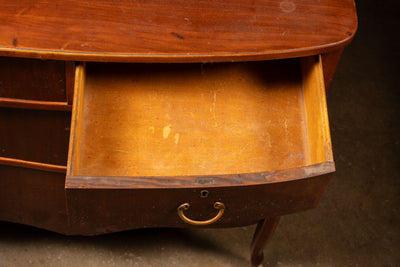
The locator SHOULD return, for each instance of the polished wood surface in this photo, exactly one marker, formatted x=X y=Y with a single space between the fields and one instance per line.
x=329 y=63
x=174 y=31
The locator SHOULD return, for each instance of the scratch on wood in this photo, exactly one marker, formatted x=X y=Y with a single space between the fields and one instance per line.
x=176 y=138
x=177 y=35
x=213 y=109
x=15 y=41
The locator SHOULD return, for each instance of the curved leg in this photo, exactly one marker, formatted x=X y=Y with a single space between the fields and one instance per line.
x=265 y=229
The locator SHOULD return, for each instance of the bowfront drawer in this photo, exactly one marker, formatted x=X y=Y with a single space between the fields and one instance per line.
x=223 y=144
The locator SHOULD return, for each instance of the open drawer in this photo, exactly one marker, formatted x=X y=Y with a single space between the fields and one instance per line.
x=146 y=138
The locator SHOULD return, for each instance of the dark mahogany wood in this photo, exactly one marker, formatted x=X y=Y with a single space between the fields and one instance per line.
x=69 y=81
x=98 y=211
x=33 y=197
x=174 y=31
x=35 y=135
x=329 y=62
x=32 y=79
x=264 y=231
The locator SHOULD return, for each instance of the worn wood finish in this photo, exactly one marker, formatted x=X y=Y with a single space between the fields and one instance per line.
x=32 y=79
x=35 y=135
x=177 y=120
x=174 y=31
x=316 y=115
x=143 y=182
x=127 y=123
x=264 y=231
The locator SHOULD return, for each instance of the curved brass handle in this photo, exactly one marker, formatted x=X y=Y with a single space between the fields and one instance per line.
x=185 y=206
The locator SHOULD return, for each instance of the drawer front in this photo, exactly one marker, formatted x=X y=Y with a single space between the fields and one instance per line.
x=33 y=197
x=106 y=211
x=32 y=79
x=34 y=135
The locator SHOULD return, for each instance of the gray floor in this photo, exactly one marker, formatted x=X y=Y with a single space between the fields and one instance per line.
x=357 y=222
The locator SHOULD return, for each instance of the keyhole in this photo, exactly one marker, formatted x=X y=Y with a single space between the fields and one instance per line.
x=204 y=193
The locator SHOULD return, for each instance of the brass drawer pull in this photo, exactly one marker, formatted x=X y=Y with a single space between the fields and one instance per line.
x=185 y=206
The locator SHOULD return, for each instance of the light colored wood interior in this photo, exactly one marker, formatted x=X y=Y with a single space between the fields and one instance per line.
x=76 y=121
x=189 y=119
x=319 y=139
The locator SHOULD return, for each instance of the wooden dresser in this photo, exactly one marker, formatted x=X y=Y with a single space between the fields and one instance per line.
x=132 y=114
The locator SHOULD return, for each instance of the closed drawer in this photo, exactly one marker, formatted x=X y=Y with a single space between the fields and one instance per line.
x=32 y=79
x=35 y=100
x=36 y=84
x=34 y=135
x=147 y=138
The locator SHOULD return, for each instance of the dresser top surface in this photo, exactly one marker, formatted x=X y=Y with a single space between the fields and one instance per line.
x=174 y=31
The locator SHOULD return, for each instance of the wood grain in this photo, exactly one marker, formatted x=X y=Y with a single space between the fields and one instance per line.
x=264 y=231
x=329 y=63
x=195 y=119
x=318 y=133
x=69 y=81
x=131 y=119
x=174 y=31
x=76 y=123
x=33 y=197
x=35 y=135
x=99 y=211
x=32 y=79
x=130 y=182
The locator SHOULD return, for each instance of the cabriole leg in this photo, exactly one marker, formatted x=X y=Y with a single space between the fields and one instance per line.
x=265 y=229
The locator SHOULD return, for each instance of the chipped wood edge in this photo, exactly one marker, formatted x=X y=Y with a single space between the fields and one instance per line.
x=203 y=181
